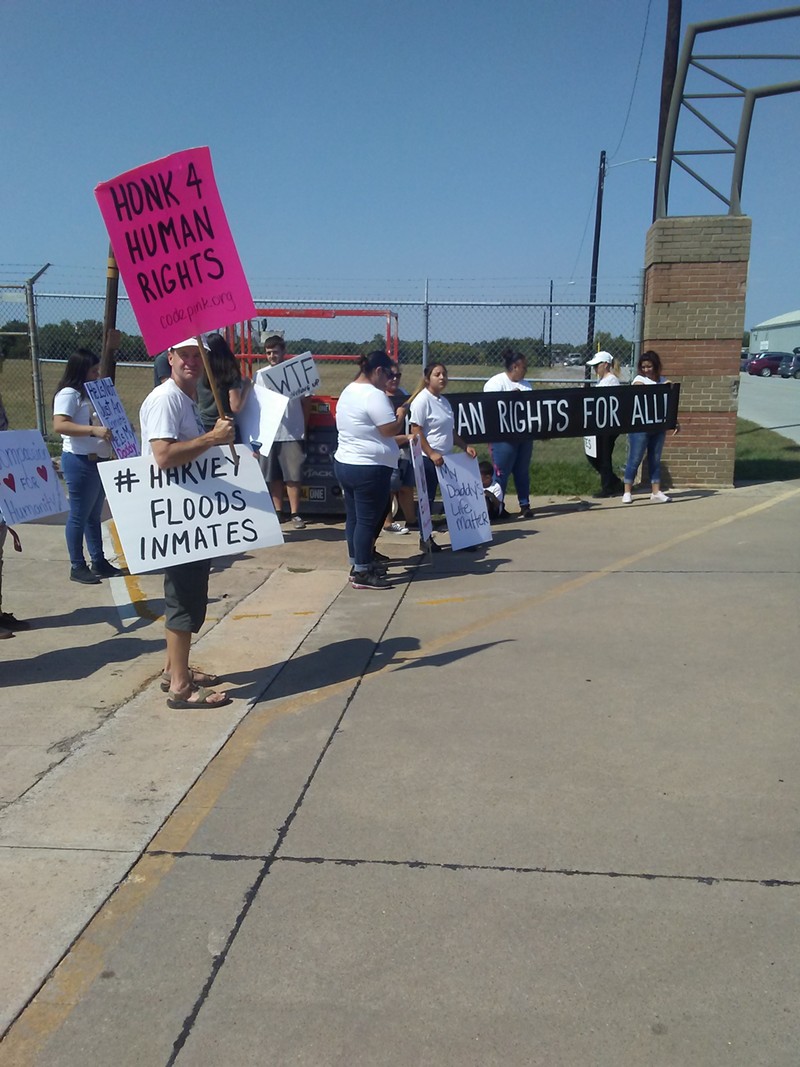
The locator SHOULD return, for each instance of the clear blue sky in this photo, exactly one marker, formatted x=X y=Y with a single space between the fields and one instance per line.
x=361 y=146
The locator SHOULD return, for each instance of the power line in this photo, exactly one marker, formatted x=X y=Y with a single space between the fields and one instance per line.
x=635 y=82
x=585 y=229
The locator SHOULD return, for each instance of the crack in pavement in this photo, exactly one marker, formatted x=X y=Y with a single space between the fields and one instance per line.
x=500 y=868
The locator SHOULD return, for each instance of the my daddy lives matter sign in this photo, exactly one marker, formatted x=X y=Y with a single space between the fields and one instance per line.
x=565 y=412
x=464 y=501
x=201 y=510
x=174 y=248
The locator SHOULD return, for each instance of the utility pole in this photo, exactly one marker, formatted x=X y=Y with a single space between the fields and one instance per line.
x=598 y=221
x=550 y=330
x=108 y=357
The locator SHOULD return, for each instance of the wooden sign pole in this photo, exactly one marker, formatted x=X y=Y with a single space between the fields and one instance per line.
x=215 y=392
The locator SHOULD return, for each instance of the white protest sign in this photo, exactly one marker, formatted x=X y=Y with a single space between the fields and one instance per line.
x=29 y=485
x=590 y=446
x=259 y=419
x=207 y=508
x=425 y=523
x=464 y=501
x=297 y=376
x=111 y=413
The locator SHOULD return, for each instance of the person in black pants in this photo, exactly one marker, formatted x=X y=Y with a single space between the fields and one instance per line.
x=602 y=461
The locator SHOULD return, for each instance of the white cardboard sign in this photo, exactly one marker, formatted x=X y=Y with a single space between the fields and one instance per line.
x=259 y=419
x=464 y=501
x=425 y=523
x=297 y=376
x=29 y=485
x=590 y=446
x=112 y=414
x=207 y=508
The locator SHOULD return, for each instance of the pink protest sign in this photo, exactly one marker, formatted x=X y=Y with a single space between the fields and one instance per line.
x=174 y=248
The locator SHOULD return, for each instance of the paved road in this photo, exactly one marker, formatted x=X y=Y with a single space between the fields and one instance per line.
x=536 y=805
x=771 y=402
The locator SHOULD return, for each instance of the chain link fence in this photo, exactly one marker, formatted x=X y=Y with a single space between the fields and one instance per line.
x=16 y=365
x=38 y=331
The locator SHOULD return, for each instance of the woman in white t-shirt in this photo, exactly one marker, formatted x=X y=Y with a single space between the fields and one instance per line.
x=432 y=418
x=648 y=373
x=363 y=462
x=85 y=443
x=513 y=458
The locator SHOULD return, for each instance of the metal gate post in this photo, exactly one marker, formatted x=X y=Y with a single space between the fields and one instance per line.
x=33 y=335
x=425 y=324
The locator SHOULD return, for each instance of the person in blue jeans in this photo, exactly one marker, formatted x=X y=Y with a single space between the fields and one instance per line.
x=648 y=373
x=85 y=443
x=365 y=457
x=512 y=459
x=432 y=417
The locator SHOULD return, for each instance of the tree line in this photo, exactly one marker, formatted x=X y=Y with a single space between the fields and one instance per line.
x=58 y=340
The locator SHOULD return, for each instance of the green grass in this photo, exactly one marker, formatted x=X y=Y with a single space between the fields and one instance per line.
x=763 y=455
x=559 y=467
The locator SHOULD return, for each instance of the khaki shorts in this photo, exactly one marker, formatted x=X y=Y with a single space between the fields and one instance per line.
x=284 y=463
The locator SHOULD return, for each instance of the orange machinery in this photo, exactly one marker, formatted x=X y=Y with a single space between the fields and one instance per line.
x=320 y=491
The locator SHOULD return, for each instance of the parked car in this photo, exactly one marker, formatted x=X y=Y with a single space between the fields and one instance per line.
x=790 y=366
x=746 y=357
x=574 y=359
x=765 y=364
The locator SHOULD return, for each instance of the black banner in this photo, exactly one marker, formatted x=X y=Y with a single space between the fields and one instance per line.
x=582 y=412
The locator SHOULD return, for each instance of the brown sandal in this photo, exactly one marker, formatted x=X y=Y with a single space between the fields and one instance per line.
x=198 y=678
x=180 y=701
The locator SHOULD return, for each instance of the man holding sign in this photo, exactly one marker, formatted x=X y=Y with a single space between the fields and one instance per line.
x=283 y=465
x=173 y=434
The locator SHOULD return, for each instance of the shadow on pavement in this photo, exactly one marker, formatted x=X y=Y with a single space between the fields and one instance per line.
x=78 y=661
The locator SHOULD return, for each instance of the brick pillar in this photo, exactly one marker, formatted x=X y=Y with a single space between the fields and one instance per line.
x=695 y=286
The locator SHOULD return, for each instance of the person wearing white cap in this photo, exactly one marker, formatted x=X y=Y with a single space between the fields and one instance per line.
x=610 y=483
x=512 y=459
x=173 y=435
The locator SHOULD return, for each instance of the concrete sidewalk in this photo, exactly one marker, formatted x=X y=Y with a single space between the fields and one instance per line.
x=574 y=843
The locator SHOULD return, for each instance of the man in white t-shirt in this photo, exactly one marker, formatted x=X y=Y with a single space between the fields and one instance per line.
x=283 y=464
x=173 y=434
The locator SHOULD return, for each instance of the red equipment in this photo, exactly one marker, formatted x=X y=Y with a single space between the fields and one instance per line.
x=241 y=339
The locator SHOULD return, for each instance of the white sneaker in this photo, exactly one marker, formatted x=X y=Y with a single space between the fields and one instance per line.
x=627 y=498
x=659 y=498
x=396 y=528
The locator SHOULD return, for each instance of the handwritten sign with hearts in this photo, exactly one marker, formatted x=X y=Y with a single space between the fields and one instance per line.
x=29 y=488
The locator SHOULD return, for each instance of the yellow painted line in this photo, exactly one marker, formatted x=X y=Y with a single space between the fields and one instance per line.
x=443 y=600
x=591 y=576
x=263 y=615
x=75 y=974
x=79 y=969
x=135 y=597
x=86 y=960
x=200 y=801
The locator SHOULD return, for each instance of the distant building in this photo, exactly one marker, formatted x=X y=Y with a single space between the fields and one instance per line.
x=781 y=334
